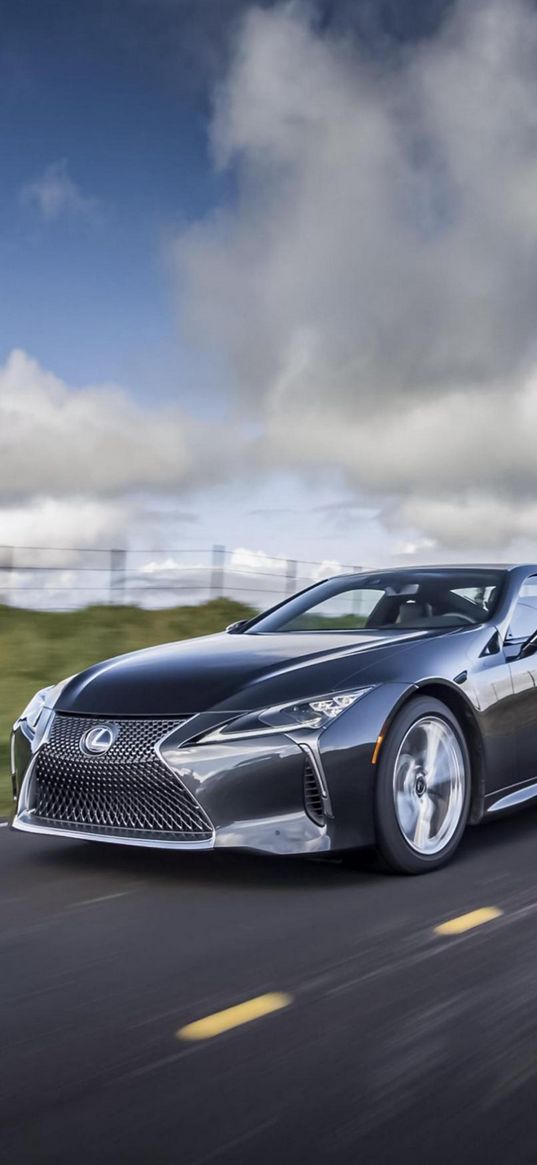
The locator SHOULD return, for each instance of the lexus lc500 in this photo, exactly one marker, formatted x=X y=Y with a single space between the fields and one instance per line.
x=389 y=708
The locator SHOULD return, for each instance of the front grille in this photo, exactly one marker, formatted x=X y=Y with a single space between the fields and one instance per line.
x=313 y=799
x=127 y=791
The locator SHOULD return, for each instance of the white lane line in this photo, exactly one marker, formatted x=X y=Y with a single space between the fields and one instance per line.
x=4 y=824
x=94 y=901
x=253 y=1132
x=155 y=1065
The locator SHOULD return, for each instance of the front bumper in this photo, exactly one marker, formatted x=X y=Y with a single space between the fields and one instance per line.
x=255 y=793
x=248 y=795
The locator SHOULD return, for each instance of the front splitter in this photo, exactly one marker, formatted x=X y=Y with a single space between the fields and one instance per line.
x=292 y=833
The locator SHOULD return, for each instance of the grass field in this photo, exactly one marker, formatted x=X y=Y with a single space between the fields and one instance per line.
x=38 y=648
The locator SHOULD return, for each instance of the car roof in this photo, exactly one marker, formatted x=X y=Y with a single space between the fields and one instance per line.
x=463 y=568
x=516 y=571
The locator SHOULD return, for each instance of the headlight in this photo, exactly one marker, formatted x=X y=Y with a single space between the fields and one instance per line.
x=44 y=698
x=314 y=714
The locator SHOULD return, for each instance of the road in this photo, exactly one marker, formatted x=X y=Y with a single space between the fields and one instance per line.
x=392 y=1042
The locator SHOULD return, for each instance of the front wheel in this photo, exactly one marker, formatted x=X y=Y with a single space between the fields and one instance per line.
x=422 y=794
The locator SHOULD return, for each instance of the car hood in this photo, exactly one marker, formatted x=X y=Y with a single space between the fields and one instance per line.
x=230 y=672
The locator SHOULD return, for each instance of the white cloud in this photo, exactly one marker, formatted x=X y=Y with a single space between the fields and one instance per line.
x=257 y=561
x=409 y=549
x=54 y=552
x=475 y=521
x=95 y=441
x=67 y=522
x=374 y=285
x=438 y=465
x=55 y=195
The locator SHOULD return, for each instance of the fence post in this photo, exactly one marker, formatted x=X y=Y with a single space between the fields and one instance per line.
x=7 y=563
x=118 y=560
x=218 y=559
x=290 y=577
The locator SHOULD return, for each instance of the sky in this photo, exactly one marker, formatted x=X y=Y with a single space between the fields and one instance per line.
x=268 y=277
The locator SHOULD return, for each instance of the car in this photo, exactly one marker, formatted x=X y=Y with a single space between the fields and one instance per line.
x=385 y=709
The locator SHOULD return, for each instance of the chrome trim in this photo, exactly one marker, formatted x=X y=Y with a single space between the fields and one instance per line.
x=309 y=742
x=24 y=824
x=312 y=751
x=23 y=803
x=106 y=729
x=505 y=788
x=159 y=743
x=292 y=833
x=178 y=773
x=219 y=736
x=43 y=735
x=513 y=799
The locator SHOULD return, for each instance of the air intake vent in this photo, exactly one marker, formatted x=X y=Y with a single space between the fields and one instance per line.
x=313 y=799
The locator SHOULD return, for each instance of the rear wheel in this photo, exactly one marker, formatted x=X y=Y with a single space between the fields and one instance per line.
x=422 y=793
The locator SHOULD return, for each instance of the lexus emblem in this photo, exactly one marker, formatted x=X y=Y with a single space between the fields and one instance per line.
x=99 y=739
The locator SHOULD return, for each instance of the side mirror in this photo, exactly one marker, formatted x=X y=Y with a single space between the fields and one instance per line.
x=236 y=628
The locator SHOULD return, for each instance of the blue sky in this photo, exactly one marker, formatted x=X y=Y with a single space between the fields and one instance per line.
x=284 y=240
x=91 y=299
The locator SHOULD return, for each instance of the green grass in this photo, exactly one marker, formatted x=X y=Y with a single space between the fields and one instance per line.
x=41 y=647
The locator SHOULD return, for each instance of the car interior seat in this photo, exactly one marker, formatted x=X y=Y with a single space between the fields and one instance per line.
x=413 y=612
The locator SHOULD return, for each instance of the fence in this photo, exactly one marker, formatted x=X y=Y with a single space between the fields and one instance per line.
x=65 y=578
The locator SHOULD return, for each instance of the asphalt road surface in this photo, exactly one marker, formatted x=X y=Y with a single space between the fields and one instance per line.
x=383 y=1039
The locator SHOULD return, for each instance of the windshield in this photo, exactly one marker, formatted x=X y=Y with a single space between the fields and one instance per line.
x=402 y=600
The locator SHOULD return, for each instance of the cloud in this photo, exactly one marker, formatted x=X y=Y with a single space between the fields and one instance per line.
x=474 y=520
x=373 y=285
x=55 y=196
x=66 y=522
x=76 y=533
x=409 y=549
x=56 y=441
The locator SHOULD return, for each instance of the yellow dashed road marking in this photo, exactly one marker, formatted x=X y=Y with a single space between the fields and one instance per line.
x=223 y=1021
x=468 y=921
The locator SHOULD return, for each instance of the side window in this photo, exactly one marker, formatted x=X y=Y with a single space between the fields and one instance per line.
x=524 y=620
x=483 y=597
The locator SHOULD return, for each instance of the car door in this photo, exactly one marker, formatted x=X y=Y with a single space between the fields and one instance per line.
x=523 y=627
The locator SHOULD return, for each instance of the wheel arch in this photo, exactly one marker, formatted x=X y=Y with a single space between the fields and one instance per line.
x=450 y=695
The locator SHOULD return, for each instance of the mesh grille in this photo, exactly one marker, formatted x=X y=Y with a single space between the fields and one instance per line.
x=313 y=800
x=127 y=791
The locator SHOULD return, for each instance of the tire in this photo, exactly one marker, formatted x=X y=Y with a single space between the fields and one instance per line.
x=421 y=810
